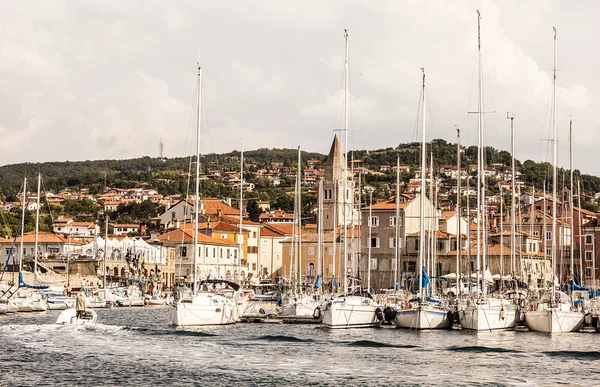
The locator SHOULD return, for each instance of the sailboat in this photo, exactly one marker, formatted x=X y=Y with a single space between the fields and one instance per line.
x=484 y=313
x=554 y=312
x=422 y=312
x=216 y=301
x=301 y=303
x=354 y=309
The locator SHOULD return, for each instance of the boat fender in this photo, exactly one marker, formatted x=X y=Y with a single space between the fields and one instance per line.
x=502 y=314
x=450 y=315
x=262 y=311
x=317 y=313
x=379 y=314
x=389 y=314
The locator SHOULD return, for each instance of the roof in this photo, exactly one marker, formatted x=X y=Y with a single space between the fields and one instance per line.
x=389 y=204
x=83 y=224
x=283 y=228
x=438 y=234
x=447 y=214
x=218 y=226
x=127 y=225
x=179 y=235
x=268 y=232
x=236 y=220
x=43 y=237
x=214 y=206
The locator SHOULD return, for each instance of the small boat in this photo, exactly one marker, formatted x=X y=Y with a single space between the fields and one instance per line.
x=69 y=317
x=156 y=300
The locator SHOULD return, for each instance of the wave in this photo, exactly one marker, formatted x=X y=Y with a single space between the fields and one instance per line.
x=377 y=344
x=284 y=339
x=168 y=332
x=580 y=355
x=480 y=349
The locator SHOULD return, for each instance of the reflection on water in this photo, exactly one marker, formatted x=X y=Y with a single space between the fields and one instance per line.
x=137 y=347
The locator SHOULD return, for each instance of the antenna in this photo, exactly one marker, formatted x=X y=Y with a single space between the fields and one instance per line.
x=161 y=148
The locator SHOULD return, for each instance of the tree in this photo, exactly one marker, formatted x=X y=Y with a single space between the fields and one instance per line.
x=253 y=210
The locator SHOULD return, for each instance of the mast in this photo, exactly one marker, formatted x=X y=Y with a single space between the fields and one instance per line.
x=397 y=223
x=580 y=232
x=241 y=237
x=319 y=232
x=458 y=199
x=299 y=201
x=37 y=225
x=572 y=272
x=469 y=230
x=345 y=165
x=513 y=243
x=422 y=198
x=501 y=239
x=479 y=155
x=554 y=169
x=369 y=254
x=197 y=200
x=105 y=249
x=24 y=202
x=431 y=218
x=333 y=266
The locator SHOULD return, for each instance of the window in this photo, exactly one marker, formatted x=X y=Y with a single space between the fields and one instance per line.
x=440 y=245
x=588 y=272
x=374 y=221
x=409 y=266
x=330 y=269
x=392 y=243
x=220 y=253
x=235 y=253
x=228 y=253
x=588 y=255
x=311 y=251
x=454 y=245
x=374 y=243
x=392 y=221
x=228 y=275
x=588 y=239
x=536 y=233
x=173 y=215
x=183 y=251
x=214 y=252
x=417 y=244
x=548 y=251
x=373 y=263
x=311 y=269
x=254 y=234
x=548 y=235
x=8 y=251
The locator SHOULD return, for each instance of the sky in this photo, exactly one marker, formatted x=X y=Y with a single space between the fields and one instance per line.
x=85 y=80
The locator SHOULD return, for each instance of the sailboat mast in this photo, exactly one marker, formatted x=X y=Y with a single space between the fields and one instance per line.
x=501 y=239
x=458 y=214
x=580 y=232
x=197 y=199
x=24 y=203
x=319 y=232
x=479 y=154
x=241 y=237
x=345 y=161
x=572 y=272
x=105 y=249
x=37 y=225
x=397 y=223
x=554 y=169
x=299 y=200
x=513 y=243
x=422 y=198
x=369 y=254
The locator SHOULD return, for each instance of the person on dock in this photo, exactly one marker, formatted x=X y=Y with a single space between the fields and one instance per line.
x=80 y=304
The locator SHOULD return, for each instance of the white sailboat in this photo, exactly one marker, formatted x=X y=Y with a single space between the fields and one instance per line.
x=216 y=302
x=300 y=303
x=354 y=309
x=421 y=313
x=484 y=313
x=554 y=313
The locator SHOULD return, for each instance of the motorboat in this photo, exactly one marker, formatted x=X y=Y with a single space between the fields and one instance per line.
x=69 y=317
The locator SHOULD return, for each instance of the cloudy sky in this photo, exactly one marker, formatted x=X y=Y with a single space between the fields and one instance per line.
x=107 y=79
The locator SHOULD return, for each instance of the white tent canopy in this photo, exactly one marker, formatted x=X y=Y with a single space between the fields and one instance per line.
x=118 y=249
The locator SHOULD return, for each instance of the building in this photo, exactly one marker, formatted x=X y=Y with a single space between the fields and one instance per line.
x=126 y=229
x=69 y=228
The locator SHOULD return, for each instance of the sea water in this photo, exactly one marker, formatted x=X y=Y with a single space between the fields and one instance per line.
x=138 y=347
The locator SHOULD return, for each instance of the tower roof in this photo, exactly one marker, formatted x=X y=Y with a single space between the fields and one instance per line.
x=335 y=161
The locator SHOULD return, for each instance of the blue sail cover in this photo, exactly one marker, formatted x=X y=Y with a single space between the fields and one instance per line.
x=574 y=286
x=425 y=279
x=22 y=283
x=318 y=282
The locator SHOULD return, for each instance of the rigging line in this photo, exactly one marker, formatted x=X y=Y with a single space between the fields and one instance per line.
x=205 y=116
x=340 y=93
x=417 y=120
x=193 y=114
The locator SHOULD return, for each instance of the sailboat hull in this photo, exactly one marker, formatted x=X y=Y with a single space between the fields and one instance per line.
x=350 y=312
x=205 y=309
x=422 y=318
x=486 y=318
x=554 y=321
x=302 y=307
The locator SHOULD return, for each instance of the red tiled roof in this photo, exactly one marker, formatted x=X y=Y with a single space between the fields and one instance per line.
x=179 y=235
